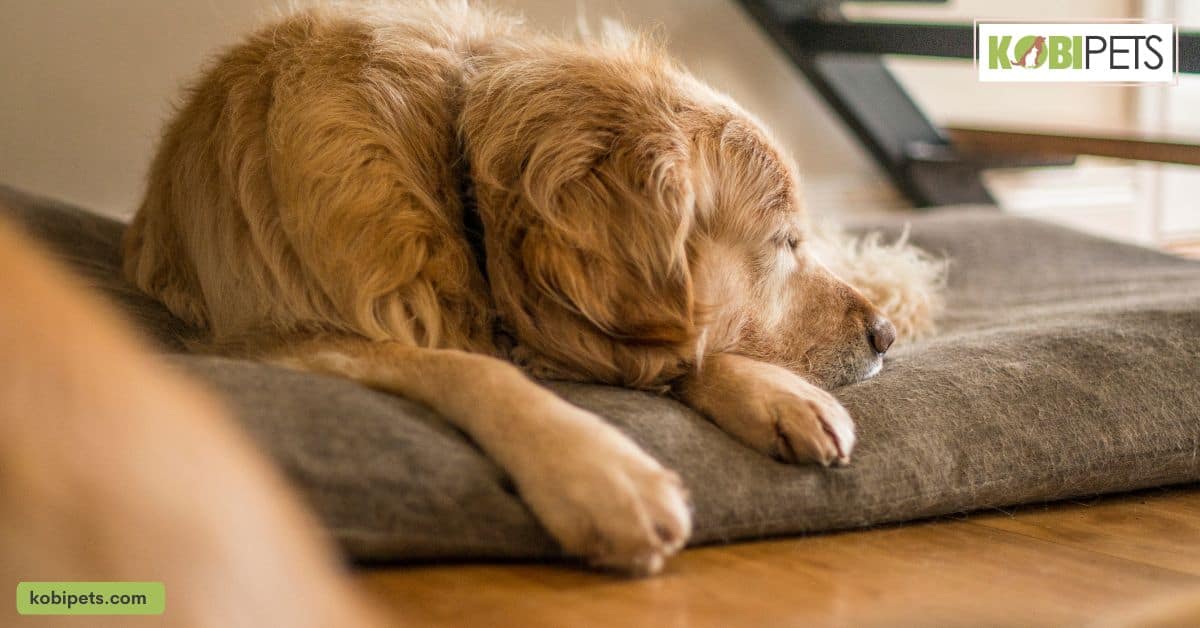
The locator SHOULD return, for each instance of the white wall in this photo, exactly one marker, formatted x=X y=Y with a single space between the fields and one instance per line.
x=86 y=84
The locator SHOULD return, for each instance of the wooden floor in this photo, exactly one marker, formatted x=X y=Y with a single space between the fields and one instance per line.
x=1185 y=248
x=1057 y=565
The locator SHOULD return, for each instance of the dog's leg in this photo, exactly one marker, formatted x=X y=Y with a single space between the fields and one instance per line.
x=597 y=492
x=770 y=409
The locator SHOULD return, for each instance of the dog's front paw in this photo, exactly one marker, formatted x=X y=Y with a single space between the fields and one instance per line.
x=606 y=500
x=787 y=418
x=808 y=425
x=771 y=409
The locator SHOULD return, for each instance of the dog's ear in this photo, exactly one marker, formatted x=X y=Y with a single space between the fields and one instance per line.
x=608 y=219
x=583 y=181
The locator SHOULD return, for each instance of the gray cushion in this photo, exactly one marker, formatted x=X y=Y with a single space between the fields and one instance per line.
x=1067 y=365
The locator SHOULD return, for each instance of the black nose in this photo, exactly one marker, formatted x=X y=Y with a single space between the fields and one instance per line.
x=881 y=334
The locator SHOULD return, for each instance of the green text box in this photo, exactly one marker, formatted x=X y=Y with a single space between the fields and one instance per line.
x=91 y=598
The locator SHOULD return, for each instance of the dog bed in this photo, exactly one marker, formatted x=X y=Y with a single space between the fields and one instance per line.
x=1066 y=365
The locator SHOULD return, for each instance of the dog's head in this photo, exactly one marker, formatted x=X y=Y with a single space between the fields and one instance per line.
x=637 y=220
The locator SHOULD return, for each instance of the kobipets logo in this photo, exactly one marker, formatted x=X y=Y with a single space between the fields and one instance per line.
x=1091 y=52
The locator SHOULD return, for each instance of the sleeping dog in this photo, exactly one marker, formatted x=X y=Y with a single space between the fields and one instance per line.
x=437 y=202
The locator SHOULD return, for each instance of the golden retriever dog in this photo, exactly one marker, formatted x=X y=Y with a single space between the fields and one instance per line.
x=315 y=201
x=116 y=469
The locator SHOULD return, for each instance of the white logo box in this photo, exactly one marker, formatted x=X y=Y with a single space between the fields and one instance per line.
x=1147 y=41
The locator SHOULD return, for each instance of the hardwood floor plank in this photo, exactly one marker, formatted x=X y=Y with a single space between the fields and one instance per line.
x=1160 y=527
x=947 y=572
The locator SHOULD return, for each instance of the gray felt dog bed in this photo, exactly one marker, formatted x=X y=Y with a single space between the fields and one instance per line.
x=1067 y=365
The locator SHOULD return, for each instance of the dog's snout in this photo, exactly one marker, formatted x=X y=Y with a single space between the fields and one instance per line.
x=881 y=334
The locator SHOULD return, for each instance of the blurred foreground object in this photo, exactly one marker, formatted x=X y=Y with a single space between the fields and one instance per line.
x=116 y=469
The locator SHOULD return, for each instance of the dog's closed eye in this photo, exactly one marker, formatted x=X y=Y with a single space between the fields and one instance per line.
x=788 y=239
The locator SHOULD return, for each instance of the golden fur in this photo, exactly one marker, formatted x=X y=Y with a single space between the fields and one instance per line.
x=307 y=207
